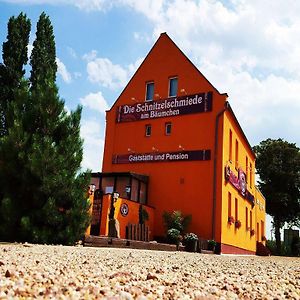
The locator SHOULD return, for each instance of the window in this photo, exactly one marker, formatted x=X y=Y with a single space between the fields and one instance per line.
x=135 y=190
x=107 y=185
x=247 y=225
x=143 y=193
x=173 y=84
x=236 y=154
x=230 y=145
x=247 y=169
x=148 y=130
x=236 y=209
x=229 y=205
x=262 y=228
x=123 y=187
x=257 y=231
x=250 y=175
x=149 y=91
x=168 y=128
x=251 y=227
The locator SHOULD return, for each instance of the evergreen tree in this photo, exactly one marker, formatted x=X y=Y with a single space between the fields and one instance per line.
x=278 y=166
x=43 y=56
x=12 y=172
x=14 y=55
x=45 y=156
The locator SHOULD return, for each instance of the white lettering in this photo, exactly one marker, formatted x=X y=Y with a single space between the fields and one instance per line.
x=179 y=156
x=128 y=109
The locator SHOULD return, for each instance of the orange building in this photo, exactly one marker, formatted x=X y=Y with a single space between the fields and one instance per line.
x=173 y=143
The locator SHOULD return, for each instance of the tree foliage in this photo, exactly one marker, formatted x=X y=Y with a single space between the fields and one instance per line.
x=43 y=56
x=14 y=55
x=43 y=196
x=278 y=166
x=176 y=220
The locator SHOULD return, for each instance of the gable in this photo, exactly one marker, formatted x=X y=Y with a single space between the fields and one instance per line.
x=164 y=61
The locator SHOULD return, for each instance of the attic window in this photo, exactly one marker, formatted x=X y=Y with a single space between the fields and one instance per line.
x=173 y=84
x=149 y=91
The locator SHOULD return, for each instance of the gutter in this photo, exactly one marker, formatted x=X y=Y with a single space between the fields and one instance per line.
x=215 y=168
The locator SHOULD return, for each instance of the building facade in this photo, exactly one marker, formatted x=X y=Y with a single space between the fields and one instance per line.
x=173 y=143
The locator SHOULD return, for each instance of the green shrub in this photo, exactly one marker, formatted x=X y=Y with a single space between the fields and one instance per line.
x=176 y=220
x=190 y=237
x=174 y=236
x=211 y=244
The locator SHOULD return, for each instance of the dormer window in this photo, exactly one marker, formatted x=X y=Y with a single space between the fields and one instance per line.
x=149 y=91
x=173 y=85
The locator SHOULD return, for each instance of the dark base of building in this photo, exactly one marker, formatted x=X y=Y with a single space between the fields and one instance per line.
x=228 y=249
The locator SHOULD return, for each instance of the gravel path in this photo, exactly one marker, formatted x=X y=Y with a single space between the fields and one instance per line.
x=35 y=271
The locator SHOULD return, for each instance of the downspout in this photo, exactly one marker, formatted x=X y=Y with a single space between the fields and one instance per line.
x=215 y=168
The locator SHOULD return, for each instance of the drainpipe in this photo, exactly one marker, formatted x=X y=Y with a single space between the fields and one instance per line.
x=215 y=168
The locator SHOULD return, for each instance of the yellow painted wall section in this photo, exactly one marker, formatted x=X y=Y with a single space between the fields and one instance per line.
x=260 y=216
x=240 y=209
x=91 y=200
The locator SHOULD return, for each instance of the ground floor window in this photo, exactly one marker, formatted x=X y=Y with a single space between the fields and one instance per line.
x=130 y=186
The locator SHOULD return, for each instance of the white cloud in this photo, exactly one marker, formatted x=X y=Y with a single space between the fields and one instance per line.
x=102 y=71
x=91 y=5
x=93 y=144
x=245 y=48
x=62 y=71
x=133 y=67
x=265 y=107
x=90 y=56
x=95 y=101
x=99 y=5
x=87 y=5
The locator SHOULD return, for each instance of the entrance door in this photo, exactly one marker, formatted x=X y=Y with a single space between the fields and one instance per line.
x=96 y=213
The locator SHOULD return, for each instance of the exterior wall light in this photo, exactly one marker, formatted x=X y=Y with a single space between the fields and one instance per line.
x=92 y=188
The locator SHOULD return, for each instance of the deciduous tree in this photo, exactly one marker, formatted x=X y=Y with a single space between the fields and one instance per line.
x=278 y=166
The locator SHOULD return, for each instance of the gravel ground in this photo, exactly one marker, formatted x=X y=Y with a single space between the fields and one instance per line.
x=58 y=272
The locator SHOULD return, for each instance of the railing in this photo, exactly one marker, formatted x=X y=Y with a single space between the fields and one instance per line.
x=137 y=232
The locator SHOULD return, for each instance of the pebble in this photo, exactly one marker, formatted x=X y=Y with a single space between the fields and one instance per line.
x=59 y=272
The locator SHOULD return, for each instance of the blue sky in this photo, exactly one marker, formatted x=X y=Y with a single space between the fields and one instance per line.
x=248 y=49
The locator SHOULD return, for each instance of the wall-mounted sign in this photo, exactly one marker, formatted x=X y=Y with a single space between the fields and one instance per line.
x=169 y=107
x=161 y=157
x=239 y=182
x=124 y=209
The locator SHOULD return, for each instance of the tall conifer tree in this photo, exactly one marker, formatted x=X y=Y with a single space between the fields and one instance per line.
x=43 y=56
x=14 y=55
x=51 y=190
x=12 y=84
